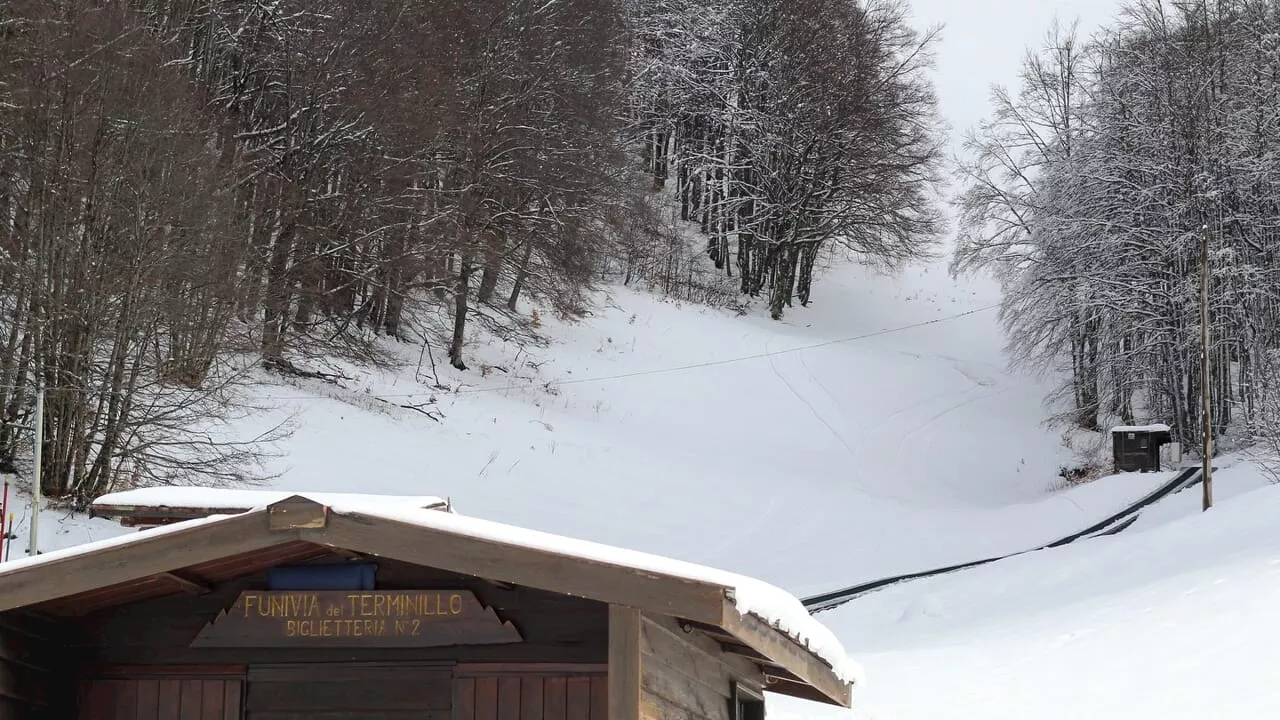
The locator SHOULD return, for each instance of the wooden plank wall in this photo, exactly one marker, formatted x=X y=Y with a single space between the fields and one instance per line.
x=35 y=682
x=530 y=693
x=348 y=691
x=161 y=698
x=685 y=676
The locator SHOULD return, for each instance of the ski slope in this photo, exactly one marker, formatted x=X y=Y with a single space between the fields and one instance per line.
x=877 y=432
x=879 y=451
x=866 y=440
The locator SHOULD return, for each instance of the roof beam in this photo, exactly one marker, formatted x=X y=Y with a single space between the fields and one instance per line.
x=157 y=551
x=787 y=654
x=746 y=651
x=787 y=686
x=521 y=565
x=187 y=582
x=348 y=554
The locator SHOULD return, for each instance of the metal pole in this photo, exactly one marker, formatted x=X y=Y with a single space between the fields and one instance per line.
x=1205 y=375
x=33 y=547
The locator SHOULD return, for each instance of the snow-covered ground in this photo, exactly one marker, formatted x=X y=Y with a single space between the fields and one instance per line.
x=1174 y=618
x=877 y=432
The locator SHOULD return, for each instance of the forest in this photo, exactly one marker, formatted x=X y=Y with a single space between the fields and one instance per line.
x=1130 y=187
x=193 y=192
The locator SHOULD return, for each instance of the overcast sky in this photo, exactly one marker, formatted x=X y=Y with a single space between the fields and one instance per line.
x=983 y=42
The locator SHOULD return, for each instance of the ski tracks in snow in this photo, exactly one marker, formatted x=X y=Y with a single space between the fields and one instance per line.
x=855 y=453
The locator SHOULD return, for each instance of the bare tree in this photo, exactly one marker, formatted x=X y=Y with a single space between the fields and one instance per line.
x=116 y=225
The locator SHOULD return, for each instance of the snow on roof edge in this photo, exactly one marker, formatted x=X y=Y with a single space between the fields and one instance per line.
x=182 y=496
x=778 y=608
x=1154 y=427
x=127 y=538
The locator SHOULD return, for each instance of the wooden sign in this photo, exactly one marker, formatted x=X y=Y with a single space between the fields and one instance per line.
x=356 y=618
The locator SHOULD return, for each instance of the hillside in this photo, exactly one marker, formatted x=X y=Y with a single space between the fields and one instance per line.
x=636 y=425
x=899 y=441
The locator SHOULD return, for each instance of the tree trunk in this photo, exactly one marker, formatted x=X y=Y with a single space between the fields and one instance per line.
x=460 y=313
x=783 y=282
x=492 y=270
x=522 y=273
x=275 y=306
x=804 y=285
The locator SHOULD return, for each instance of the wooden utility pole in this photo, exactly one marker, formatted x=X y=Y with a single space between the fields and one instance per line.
x=1205 y=375
x=33 y=541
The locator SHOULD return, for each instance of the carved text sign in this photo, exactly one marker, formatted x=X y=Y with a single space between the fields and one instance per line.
x=356 y=618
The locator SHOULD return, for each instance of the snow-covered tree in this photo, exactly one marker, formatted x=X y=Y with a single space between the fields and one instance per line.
x=1091 y=194
x=789 y=127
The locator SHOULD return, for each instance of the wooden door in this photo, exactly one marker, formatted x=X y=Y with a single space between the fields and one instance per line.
x=348 y=691
x=163 y=694
x=530 y=693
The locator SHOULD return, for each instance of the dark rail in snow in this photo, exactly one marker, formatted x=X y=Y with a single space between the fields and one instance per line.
x=1111 y=525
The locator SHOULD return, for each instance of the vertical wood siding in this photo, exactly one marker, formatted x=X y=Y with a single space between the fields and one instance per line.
x=161 y=698
x=531 y=695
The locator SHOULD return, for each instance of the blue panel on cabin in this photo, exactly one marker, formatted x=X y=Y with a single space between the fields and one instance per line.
x=323 y=577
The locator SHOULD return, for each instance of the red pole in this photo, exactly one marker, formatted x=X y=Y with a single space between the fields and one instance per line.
x=4 y=513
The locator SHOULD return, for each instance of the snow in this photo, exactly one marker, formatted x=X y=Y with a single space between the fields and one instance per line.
x=903 y=437
x=693 y=433
x=1154 y=428
x=235 y=499
x=1174 y=618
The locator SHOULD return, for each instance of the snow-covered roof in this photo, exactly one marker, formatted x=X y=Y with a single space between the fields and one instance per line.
x=1154 y=428
x=777 y=608
x=177 y=496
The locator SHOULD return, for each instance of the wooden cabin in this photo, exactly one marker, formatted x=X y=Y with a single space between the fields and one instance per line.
x=311 y=608
x=1136 y=448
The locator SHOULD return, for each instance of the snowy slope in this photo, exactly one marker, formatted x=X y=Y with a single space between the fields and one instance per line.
x=875 y=452
x=896 y=439
x=874 y=433
x=1174 y=618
